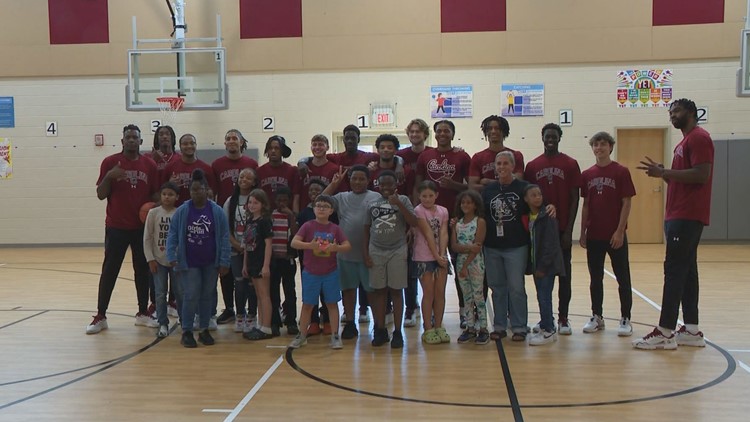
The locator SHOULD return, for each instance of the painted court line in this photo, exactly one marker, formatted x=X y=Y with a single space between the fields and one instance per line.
x=738 y=351
x=744 y=366
x=217 y=410
x=258 y=385
x=276 y=347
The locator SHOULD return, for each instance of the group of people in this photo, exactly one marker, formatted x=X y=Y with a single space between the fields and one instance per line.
x=380 y=223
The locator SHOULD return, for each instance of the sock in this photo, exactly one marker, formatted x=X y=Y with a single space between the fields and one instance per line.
x=692 y=328
x=266 y=330
x=666 y=332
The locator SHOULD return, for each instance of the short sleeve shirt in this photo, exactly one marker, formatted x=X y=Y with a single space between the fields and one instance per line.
x=320 y=262
x=436 y=219
x=556 y=176
x=604 y=189
x=128 y=194
x=691 y=201
x=435 y=165
x=387 y=223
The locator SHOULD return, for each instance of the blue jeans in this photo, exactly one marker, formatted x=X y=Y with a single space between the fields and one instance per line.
x=244 y=293
x=160 y=290
x=544 y=286
x=198 y=287
x=505 y=269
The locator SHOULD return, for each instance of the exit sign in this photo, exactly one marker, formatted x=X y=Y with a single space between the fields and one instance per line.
x=382 y=115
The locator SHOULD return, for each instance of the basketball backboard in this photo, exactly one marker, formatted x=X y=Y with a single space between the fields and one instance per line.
x=743 y=75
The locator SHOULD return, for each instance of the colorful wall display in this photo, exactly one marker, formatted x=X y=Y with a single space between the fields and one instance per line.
x=644 y=88
x=522 y=100
x=451 y=101
x=6 y=162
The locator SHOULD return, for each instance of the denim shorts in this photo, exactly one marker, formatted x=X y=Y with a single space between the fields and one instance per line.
x=422 y=267
x=313 y=284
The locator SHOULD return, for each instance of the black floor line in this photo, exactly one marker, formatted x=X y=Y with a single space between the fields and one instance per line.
x=23 y=319
x=517 y=415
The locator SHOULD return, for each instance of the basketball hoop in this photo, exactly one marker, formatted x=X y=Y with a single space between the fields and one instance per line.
x=169 y=106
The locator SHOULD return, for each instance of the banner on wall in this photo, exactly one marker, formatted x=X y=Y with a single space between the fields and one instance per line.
x=6 y=162
x=522 y=100
x=644 y=88
x=451 y=101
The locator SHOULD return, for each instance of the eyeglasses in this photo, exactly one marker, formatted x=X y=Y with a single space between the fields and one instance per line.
x=323 y=206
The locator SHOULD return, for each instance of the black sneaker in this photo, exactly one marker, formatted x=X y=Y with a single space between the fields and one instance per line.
x=398 y=340
x=188 y=340
x=350 y=331
x=227 y=316
x=462 y=320
x=256 y=334
x=482 y=338
x=380 y=337
x=275 y=331
x=292 y=329
x=467 y=336
x=205 y=338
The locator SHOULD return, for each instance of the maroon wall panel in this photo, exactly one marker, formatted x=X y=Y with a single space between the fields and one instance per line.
x=78 y=21
x=270 y=18
x=472 y=15
x=687 y=12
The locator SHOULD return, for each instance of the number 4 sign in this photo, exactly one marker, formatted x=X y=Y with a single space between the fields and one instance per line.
x=566 y=117
x=51 y=128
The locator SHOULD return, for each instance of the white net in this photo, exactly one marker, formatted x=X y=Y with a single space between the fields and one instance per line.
x=169 y=106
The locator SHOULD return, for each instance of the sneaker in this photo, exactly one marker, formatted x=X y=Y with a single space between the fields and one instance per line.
x=213 y=323
x=542 y=337
x=298 y=342
x=145 y=320
x=226 y=316
x=397 y=342
x=163 y=331
x=595 y=324
x=364 y=318
x=625 y=329
x=196 y=323
x=256 y=334
x=380 y=337
x=313 y=329
x=537 y=328
x=350 y=330
x=206 y=338
x=336 y=342
x=152 y=310
x=462 y=324
x=467 y=336
x=410 y=319
x=327 y=330
x=188 y=340
x=389 y=317
x=686 y=338
x=172 y=309
x=240 y=321
x=343 y=317
x=563 y=327
x=656 y=340
x=444 y=336
x=99 y=323
x=292 y=329
x=482 y=338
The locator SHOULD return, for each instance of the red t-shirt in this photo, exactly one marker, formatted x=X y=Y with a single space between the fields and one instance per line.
x=184 y=171
x=434 y=165
x=691 y=201
x=226 y=171
x=410 y=157
x=129 y=194
x=270 y=178
x=483 y=163
x=605 y=188
x=556 y=175
x=404 y=187
x=323 y=173
x=162 y=162
x=347 y=161
x=320 y=262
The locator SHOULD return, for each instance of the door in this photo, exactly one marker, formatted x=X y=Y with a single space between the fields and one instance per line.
x=646 y=222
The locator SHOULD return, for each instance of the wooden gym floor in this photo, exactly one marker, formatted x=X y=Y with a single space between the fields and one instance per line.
x=50 y=370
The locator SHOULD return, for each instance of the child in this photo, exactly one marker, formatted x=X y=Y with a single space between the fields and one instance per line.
x=431 y=260
x=257 y=261
x=235 y=208
x=545 y=259
x=323 y=240
x=319 y=313
x=198 y=247
x=467 y=239
x=283 y=264
x=154 y=247
x=385 y=255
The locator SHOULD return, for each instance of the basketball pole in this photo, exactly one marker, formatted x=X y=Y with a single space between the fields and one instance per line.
x=180 y=28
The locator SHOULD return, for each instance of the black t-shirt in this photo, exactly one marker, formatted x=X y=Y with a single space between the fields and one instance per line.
x=256 y=233
x=503 y=207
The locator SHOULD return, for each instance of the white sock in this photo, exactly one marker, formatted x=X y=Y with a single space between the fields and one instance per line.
x=266 y=330
x=666 y=332
x=692 y=328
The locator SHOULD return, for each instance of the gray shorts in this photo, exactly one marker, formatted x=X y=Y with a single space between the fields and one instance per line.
x=389 y=268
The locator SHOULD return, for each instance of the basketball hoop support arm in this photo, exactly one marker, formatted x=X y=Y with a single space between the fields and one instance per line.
x=180 y=28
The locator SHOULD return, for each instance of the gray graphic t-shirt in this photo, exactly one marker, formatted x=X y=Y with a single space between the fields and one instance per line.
x=387 y=223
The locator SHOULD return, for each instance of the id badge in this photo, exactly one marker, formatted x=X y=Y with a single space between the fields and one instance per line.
x=500 y=231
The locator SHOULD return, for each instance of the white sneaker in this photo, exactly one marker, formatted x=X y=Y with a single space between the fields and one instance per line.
x=239 y=323
x=98 y=324
x=686 y=338
x=298 y=342
x=336 y=342
x=144 y=320
x=410 y=320
x=172 y=311
x=625 y=329
x=542 y=337
x=656 y=340
x=364 y=318
x=163 y=331
x=564 y=328
x=196 y=323
x=595 y=324
x=343 y=317
x=249 y=324
x=212 y=324
x=537 y=328
x=389 y=318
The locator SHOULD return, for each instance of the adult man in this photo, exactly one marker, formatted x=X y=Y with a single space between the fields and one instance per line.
x=559 y=178
x=276 y=173
x=607 y=192
x=226 y=170
x=164 y=153
x=387 y=145
x=687 y=211
x=127 y=180
x=180 y=171
x=482 y=169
